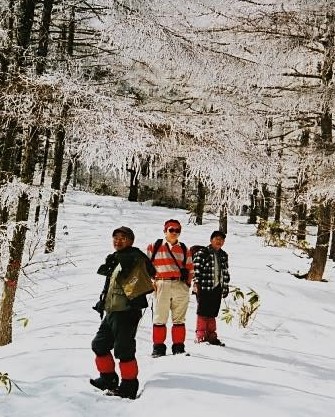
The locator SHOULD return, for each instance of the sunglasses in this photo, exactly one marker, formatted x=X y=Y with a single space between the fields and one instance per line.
x=173 y=230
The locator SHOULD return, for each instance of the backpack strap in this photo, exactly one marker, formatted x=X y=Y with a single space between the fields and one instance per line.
x=157 y=245
x=183 y=246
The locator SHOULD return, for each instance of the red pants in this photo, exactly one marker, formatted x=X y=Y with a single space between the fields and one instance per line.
x=205 y=329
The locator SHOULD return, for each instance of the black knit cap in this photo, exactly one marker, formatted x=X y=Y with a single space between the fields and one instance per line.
x=126 y=231
x=218 y=233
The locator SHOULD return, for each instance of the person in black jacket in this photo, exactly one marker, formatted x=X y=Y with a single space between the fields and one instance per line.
x=211 y=278
x=118 y=329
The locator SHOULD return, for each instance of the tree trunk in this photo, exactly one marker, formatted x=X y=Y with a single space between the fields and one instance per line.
x=253 y=207
x=8 y=151
x=278 y=202
x=90 y=178
x=264 y=210
x=75 y=173
x=299 y=212
x=67 y=180
x=18 y=157
x=332 y=244
x=44 y=168
x=265 y=203
x=18 y=241
x=301 y=218
x=44 y=33
x=25 y=24
x=199 y=210
x=183 y=183
x=332 y=235
x=6 y=55
x=320 y=253
x=71 y=32
x=134 y=183
x=55 y=183
x=7 y=163
x=223 y=218
x=322 y=242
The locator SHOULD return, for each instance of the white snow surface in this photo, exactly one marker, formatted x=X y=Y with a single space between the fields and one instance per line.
x=281 y=365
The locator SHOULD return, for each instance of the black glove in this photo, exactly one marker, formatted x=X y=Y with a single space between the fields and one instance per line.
x=99 y=307
x=225 y=292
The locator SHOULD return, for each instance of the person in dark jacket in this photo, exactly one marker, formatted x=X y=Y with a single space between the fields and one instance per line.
x=211 y=278
x=118 y=328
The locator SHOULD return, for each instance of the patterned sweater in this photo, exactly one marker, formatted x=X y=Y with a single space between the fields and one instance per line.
x=165 y=265
x=203 y=261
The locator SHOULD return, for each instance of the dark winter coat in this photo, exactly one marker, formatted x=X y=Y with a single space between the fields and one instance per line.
x=203 y=262
x=128 y=258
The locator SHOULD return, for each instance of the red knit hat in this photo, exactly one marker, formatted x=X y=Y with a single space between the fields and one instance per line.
x=171 y=222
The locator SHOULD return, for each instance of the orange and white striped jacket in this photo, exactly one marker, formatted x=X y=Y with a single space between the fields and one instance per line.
x=165 y=265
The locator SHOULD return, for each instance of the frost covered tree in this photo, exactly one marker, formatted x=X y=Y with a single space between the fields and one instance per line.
x=41 y=96
x=276 y=61
x=292 y=44
x=108 y=82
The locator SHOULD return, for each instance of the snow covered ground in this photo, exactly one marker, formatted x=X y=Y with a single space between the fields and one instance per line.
x=283 y=365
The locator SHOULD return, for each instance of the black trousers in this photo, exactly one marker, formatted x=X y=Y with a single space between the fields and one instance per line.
x=118 y=331
x=209 y=302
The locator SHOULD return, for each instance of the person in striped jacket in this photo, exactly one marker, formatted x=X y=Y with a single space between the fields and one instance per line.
x=174 y=275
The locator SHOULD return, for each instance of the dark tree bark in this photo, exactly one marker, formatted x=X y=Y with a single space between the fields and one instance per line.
x=6 y=55
x=278 y=202
x=320 y=253
x=201 y=199
x=55 y=183
x=67 y=180
x=322 y=242
x=302 y=221
x=183 y=183
x=253 y=207
x=25 y=24
x=7 y=163
x=265 y=203
x=332 y=244
x=75 y=173
x=134 y=184
x=223 y=218
x=44 y=34
x=90 y=178
x=300 y=207
x=279 y=189
x=18 y=241
x=71 y=32
x=43 y=172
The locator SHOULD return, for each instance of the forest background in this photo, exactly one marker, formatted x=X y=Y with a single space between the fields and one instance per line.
x=220 y=106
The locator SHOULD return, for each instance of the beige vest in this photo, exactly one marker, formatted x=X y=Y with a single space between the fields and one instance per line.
x=116 y=299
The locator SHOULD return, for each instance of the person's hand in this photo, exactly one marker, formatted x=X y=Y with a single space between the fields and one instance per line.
x=195 y=288
x=225 y=292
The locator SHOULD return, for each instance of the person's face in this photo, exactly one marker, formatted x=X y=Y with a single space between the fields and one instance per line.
x=172 y=233
x=217 y=242
x=121 y=241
